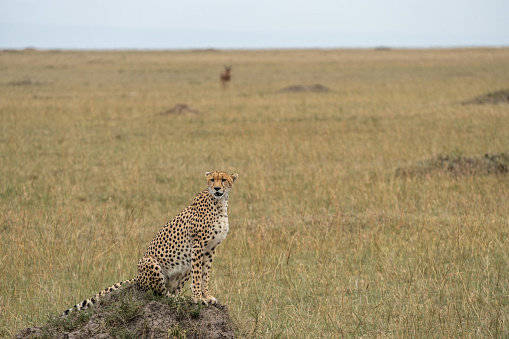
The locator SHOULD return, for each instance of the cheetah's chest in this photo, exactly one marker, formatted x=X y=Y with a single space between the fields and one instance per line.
x=219 y=231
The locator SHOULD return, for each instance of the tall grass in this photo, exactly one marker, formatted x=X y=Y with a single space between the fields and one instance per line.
x=325 y=240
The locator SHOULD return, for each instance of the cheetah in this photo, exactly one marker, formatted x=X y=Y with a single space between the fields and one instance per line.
x=184 y=247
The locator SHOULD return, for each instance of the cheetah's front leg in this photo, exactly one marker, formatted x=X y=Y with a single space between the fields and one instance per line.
x=207 y=264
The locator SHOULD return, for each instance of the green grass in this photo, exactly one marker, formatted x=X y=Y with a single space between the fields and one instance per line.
x=325 y=239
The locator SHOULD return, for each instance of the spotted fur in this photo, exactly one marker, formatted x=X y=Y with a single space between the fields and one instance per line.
x=184 y=247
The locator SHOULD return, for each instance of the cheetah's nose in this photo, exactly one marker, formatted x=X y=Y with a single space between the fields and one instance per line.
x=217 y=188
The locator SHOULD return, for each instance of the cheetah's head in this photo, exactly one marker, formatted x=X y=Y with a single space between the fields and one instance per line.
x=220 y=183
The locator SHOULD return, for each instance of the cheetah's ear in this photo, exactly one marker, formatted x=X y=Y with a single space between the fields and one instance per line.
x=234 y=176
x=207 y=174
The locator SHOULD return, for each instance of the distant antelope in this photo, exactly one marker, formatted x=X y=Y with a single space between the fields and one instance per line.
x=225 y=76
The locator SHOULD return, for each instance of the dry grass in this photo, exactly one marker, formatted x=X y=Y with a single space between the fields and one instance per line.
x=325 y=240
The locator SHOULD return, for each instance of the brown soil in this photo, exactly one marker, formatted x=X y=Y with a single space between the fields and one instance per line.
x=498 y=97
x=299 y=89
x=130 y=313
x=180 y=109
x=458 y=165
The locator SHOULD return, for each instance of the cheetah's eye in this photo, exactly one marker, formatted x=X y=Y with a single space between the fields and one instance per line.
x=224 y=180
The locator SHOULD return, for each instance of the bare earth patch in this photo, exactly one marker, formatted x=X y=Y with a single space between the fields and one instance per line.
x=300 y=88
x=130 y=313
x=498 y=97
x=181 y=109
x=458 y=165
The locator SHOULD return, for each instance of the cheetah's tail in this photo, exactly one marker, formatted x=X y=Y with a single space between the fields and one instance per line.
x=91 y=301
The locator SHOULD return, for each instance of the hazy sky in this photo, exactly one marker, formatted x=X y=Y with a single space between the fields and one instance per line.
x=167 y=24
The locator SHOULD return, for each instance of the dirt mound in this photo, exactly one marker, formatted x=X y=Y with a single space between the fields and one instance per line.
x=300 y=88
x=25 y=82
x=498 y=97
x=130 y=313
x=181 y=109
x=458 y=165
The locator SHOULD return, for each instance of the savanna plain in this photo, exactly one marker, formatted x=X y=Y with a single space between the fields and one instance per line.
x=328 y=238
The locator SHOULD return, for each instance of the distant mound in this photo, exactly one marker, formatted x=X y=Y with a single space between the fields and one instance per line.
x=25 y=82
x=181 y=109
x=458 y=165
x=498 y=97
x=130 y=313
x=300 y=88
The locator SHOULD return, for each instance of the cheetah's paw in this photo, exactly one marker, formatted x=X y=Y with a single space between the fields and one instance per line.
x=210 y=299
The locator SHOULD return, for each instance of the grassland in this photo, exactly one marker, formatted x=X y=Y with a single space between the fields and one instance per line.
x=325 y=239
